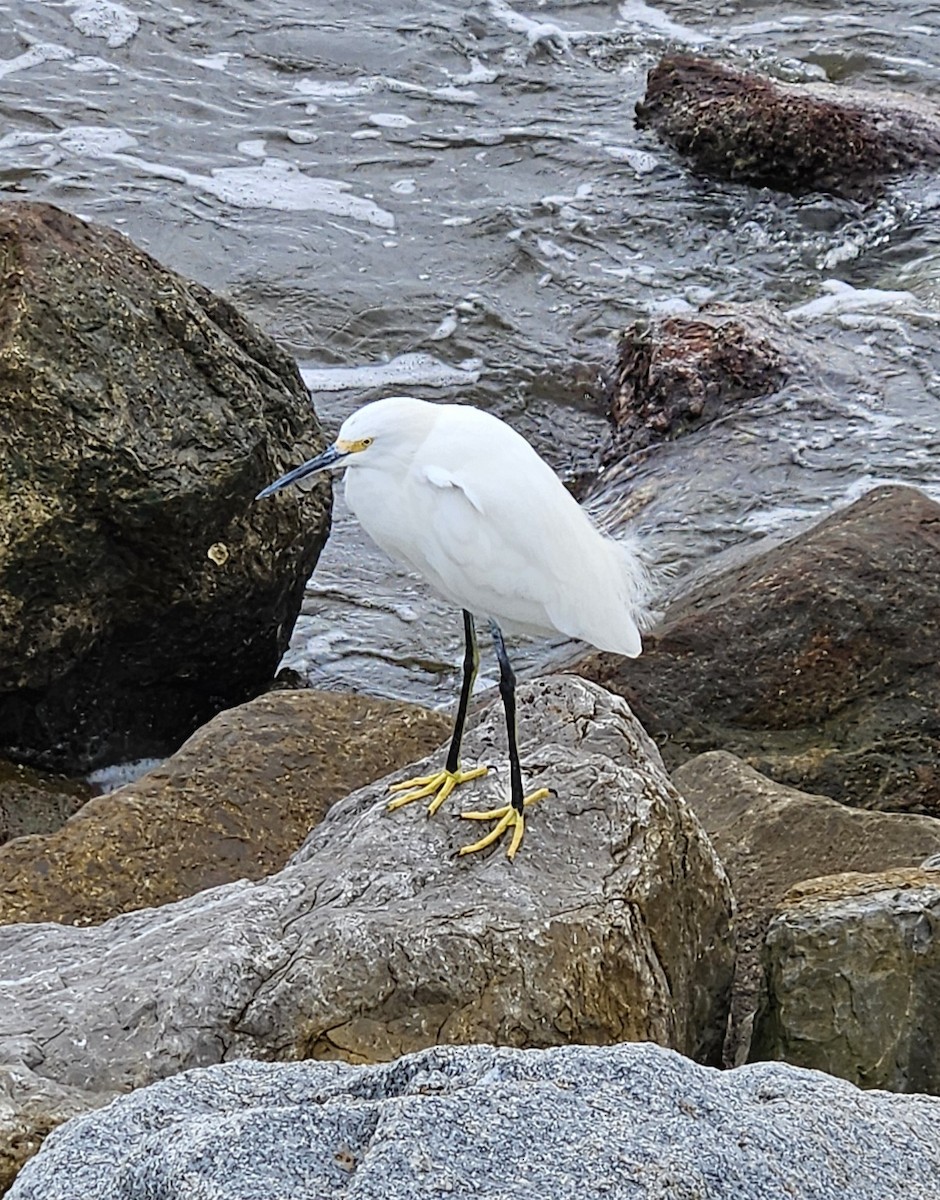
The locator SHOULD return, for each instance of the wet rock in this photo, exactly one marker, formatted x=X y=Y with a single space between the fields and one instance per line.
x=770 y=837
x=36 y=802
x=677 y=373
x=612 y=924
x=852 y=963
x=479 y=1121
x=234 y=802
x=815 y=662
x=141 y=589
x=796 y=138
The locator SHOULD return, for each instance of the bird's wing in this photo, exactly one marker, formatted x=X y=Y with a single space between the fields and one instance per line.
x=514 y=544
x=487 y=541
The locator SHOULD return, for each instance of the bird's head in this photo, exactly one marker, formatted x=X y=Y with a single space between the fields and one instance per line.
x=377 y=431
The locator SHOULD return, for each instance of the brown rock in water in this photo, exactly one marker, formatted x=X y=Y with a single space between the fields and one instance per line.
x=141 y=588
x=233 y=803
x=797 y=138
x=678 y=373
x=612 y=924
x=34 y=802
x=770 y=837
x=852 y=968
x=815 y=662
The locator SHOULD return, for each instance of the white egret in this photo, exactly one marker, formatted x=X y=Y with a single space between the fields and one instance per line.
x=458 y=496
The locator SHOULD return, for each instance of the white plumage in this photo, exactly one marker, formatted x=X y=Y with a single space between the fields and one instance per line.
x=461 y=498
x=467 y=503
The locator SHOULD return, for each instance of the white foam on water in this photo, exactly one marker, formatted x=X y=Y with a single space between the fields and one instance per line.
x=281 y=185
x=104 y=19
x=93 y=141
x=215 y=62
x=841 y=297
x=641 y=161
x=636 y=13
x=108 y=779
x=447 y=326
x=478 y=73
x=410 y=370
x=535 y=32
x=456 y=95
x=87 y=64
x=390 y=120
x=33 y=57
x=328 y=89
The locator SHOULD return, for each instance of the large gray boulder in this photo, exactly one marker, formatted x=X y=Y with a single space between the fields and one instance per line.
x=612 y=924
x=770 y=837
x=852 y=965
x=141 y=589
x=476 y=1121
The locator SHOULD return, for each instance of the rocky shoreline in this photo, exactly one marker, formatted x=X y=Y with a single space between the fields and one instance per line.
x=737 y=863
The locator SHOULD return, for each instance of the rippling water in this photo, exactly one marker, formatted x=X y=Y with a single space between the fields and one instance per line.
x=452 y=199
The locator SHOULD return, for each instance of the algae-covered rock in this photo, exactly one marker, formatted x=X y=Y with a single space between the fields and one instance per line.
x=235 y=801
x=797 y=138
x=141 y=589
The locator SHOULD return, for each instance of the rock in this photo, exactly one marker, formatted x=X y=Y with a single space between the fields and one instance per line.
x=30 y=1107
x=796 y=138
x=141 y=589
x=612 y=924
x=235 y=802
x=769 y=838
x=635 y=1121
x=814 y=662
x=678 y=373
x=852 y=963
x=34 y=802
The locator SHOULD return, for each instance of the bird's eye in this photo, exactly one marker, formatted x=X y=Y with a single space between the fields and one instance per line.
x=367 y=442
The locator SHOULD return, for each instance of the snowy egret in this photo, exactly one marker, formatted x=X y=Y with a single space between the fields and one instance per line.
x=458 y=496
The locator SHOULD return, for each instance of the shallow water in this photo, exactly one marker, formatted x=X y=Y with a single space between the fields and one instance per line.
x=453 y=200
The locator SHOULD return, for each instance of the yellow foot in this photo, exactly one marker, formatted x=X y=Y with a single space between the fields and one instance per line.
x=439 y=786
x=505 y=818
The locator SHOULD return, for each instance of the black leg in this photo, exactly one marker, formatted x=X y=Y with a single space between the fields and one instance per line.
x=471 y=663
x=507 y=689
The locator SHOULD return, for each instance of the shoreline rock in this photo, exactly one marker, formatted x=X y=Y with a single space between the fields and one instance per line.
x=234 y=802
x=771 y=838
x=612 y=924
x=814 y=662
x=677 y=373
x=798 y=138
x=851 y=967
x=141 y=589
x=628 y=1120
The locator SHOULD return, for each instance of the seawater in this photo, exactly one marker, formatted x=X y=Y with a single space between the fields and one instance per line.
x=452 y=199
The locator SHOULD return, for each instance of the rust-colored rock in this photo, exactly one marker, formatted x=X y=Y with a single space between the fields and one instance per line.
x=141 y=589
x=234 y=802
x=816 y=662
x=680 y=372
x=796 y=138
x=34 y=802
